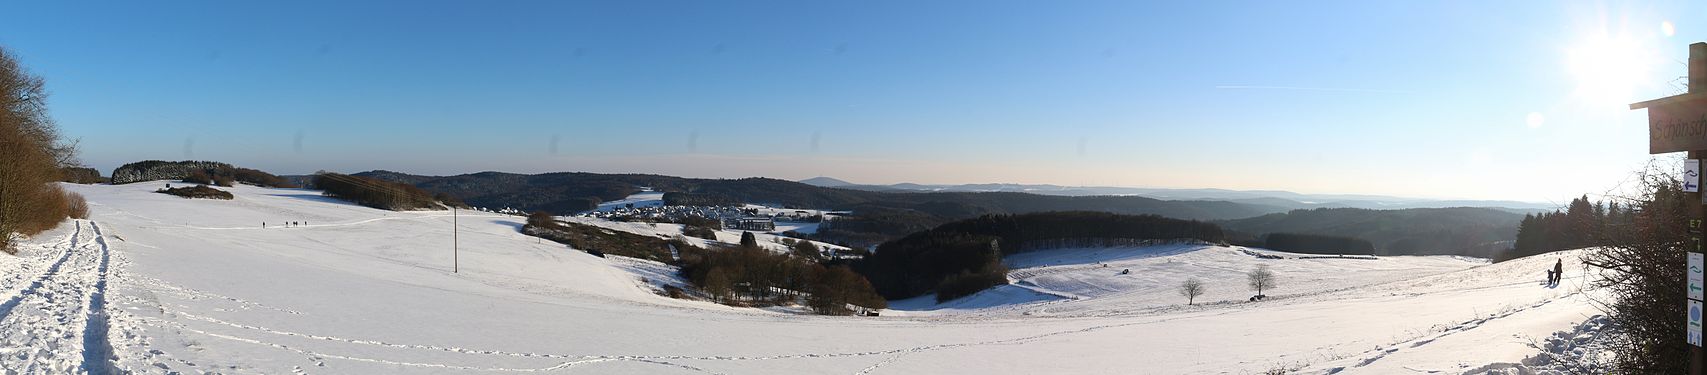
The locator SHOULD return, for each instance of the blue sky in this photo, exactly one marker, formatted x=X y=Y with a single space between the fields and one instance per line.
x=1467 y=99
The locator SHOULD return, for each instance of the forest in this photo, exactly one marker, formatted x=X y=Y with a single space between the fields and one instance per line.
x=1582 y=224
x=963 y=257
x=380 y=194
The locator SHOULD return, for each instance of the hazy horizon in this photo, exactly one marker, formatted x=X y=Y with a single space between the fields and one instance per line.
x=1448 y=101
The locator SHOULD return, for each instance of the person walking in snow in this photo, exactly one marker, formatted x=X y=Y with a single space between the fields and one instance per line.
x=1558 y=271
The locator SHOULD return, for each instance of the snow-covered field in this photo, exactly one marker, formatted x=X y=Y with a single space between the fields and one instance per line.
x=159 y=284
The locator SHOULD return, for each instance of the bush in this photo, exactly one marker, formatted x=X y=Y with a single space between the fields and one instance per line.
x=198 y=191
x=75 y=206
x=223 y=180
x=700 y=232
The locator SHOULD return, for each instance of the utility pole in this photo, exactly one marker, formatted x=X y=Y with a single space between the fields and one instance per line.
x=455 y=251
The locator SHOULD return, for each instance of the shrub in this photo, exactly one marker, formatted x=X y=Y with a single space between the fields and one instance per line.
x=700 y=232
x=224 y=180
x=76 y=206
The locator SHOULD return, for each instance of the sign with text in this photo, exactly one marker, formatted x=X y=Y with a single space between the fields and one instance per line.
x=1678 y=124
x=1692 y=176
x=1694 y=316
x=1695 y=274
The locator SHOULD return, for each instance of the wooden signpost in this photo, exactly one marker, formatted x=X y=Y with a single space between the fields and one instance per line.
x=1679 y=123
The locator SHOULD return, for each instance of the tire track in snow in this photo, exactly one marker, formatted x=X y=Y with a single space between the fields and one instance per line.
x=98 y=356
x=40 y=326
x=12 y=302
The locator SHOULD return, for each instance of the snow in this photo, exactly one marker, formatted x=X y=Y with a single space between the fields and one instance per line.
x=637 y=200
x=197 y=286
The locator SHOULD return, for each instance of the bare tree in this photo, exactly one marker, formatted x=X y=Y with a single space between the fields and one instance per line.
x=30 y=155
x=1261 y=279
x=1191 y=289
x=1640 y=270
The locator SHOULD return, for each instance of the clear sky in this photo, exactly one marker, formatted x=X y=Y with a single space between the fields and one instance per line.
x=1521 y=100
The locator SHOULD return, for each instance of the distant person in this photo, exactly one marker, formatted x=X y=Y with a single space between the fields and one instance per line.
x=263 y=225
x=1549 y=277
x=1558 y=271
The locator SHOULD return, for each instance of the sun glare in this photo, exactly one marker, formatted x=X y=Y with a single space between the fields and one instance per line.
x=1607 y=69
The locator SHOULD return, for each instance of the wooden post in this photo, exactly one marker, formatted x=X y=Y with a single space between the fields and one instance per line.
x=1679 y=123
x=1697 y=212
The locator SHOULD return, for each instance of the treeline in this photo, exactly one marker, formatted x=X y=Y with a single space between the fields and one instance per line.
x=380 y=194
x=964 y=257
x=1479 y=232
x=692 y=199
x=600 y=241
x=31 y=158
x=1317 y=244
x=1582 y=224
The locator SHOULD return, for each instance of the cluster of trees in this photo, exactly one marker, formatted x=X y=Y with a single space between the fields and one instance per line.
x=599 y=240
x=1583 y=223
x=1317 y=244
x=748 y=275
x=742 y=275
x=196 y=171
x=81 y=175
x=380 y=194
x=197 y=191
x=31 y=157
x=964 y=257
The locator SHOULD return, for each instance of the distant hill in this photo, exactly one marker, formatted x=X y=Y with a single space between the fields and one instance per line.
x=825 y=182
x=1287 y=199
x=877 y=216
x=1470 y=231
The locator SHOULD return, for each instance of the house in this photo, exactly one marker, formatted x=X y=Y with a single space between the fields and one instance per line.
x=753 y=223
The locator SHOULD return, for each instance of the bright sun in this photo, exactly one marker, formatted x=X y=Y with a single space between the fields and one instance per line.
x=1608 y=69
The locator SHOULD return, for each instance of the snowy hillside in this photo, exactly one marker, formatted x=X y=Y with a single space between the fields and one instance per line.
x=198 y=286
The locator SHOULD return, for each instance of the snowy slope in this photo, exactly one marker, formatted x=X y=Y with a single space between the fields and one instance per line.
x=193 y=286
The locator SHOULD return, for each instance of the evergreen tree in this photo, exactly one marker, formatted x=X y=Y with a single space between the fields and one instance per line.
x=748 y=240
